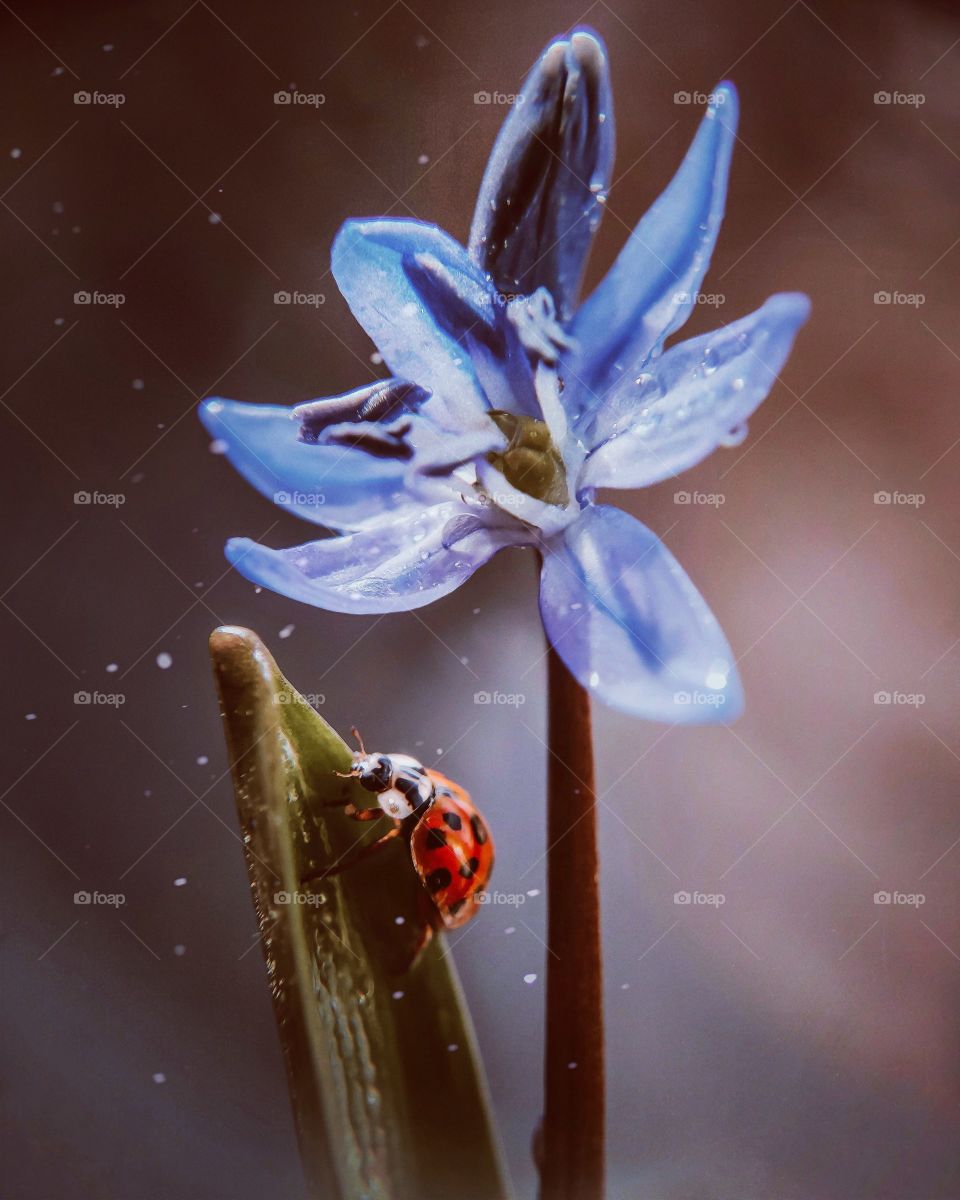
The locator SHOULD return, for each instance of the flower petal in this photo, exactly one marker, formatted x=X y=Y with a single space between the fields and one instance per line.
x=335 y=486
x=622 y=614
x=434 y=317
x=697 y=396
x=542 y=194
x=399 y=563
x=651 y=288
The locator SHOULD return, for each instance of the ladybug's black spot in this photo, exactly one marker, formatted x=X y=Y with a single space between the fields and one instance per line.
x=468 y=869
x=410 y=788
x=452 y=820
x=439 y=879
x=436 y=839
x=479 y=830
x=457 y=905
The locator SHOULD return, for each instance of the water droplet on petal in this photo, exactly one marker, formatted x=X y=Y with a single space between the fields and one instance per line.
x=736 y=435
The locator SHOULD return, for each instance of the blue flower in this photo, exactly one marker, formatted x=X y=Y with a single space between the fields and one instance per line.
x=509 y=404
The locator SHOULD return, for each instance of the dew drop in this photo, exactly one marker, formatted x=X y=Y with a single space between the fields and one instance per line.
x=531 y=978
x=164 y=660
x=736 y=435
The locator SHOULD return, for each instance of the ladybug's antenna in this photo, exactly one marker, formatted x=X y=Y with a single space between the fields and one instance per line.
x=356 y=733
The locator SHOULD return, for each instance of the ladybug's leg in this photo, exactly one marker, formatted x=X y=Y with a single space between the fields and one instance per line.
x=423 y=941
x=351 y=810
x=362 y=814
x=358 y=856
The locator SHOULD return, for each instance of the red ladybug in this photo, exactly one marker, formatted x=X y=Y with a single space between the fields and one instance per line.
x=450 y=844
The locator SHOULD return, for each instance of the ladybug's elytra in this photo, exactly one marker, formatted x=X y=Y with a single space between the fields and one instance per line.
x=450 y=844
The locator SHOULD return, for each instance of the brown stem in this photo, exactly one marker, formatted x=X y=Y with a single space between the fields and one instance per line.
x=572 y=1143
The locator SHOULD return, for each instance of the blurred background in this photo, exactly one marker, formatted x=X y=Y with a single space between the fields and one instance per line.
x=799 y=1039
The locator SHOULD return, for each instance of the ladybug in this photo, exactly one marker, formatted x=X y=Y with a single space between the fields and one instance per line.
x=450 y=844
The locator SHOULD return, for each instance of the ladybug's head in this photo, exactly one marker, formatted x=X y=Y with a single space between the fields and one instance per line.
x=401 y=783
x=375 y=771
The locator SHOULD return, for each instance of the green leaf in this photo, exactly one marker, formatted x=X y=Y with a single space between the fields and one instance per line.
x=385 y=1108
